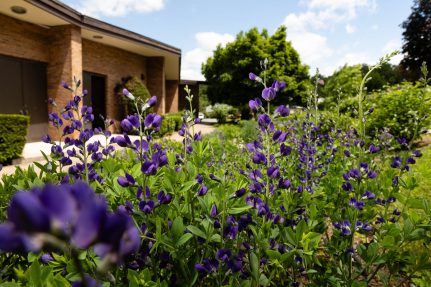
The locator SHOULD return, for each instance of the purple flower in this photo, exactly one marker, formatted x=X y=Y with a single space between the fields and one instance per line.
x=202 y=190
x=146 y=206
x=255 y=104
x=285 y=150
x=273 y=172
x=264 y=122
x=46 y=258
x=282 y=111
x=119 y=237
x=126 y=181
x=152 y=101
x=343 y=226
x=368 y=195
x=373 y=149
x=130 y=123
x=199 y=178
x=213 y=212
x=164 y=198
x=224 y=254
x=153 y=121
x=87 y=281
x=279 y=136
x=46 y=139
x=353 y=202
x=240 y=192
x=417 y=153
x=55 y=120
x=284 y=183
x=259 y=158
x=347 y=186
x=128 y=94
x=207 y=266
x=268 y=94
x=278 y=85
x=355 y=173
x=122 y=141
x=347 y=153
x=372 y=174
x=253 y=77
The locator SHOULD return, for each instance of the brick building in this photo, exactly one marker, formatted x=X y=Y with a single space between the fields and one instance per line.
x=45 y=42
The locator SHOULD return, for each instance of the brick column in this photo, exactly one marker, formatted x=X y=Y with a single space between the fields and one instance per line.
x=156 y=81
x=171 y=102
x=65 y=62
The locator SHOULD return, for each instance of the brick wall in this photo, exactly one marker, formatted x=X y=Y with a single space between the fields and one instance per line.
x=115 y=64
x=23 y=40
x=65 y=62
x=156 y=81
x=171 y=102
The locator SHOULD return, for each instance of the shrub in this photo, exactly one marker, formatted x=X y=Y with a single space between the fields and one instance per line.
x=170 y=123
x=222 y=111
x=135 y=86
x=13 y=132
x=403 y=109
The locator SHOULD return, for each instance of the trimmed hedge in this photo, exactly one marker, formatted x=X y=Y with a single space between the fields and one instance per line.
x=170 y=123
x=13 y=132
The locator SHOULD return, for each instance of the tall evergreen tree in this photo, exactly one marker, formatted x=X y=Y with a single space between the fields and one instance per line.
x=417 y=39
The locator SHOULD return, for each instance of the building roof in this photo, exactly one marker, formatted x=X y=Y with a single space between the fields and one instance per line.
x=48 y=13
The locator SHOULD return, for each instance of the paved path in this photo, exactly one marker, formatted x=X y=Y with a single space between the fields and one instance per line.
x=32 y=151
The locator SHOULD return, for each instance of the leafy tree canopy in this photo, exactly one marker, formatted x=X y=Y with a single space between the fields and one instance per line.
x=227 y=70
x=344 y=83
x=417 y=39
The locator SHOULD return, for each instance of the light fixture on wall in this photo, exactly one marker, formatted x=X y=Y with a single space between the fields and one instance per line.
x=98 y=37
x=18 y=9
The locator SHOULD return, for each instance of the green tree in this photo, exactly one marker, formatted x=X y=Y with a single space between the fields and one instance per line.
x=227 y=70
x=342 y=85
x=386 y=75
x=417 y=39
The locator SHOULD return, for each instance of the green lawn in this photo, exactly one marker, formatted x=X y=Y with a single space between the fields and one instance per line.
x=423 y=170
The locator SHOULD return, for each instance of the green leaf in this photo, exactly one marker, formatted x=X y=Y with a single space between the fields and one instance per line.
x=177 y=229
x=196 y=231
x=183 y=239
x=254 y=266
x=238 y=210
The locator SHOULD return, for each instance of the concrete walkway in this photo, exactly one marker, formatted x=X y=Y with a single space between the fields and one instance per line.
x=32 y=151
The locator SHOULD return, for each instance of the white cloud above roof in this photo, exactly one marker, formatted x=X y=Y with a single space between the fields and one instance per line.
x=117 y=8
x=206 y=43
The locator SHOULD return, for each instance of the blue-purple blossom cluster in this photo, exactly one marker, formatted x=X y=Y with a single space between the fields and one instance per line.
x=36 y=220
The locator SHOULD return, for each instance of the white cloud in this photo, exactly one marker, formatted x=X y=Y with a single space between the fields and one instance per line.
x=306 y=31
x=116 y=8
x=354 y=58
x=313 y=49
x=193 y=59
x=350 y=29
x=391 y=46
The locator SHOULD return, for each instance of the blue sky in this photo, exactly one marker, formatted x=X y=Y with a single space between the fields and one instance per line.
x=326 y=33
